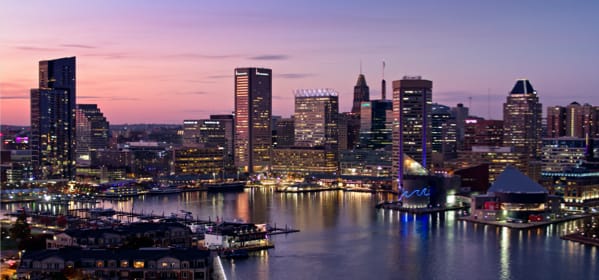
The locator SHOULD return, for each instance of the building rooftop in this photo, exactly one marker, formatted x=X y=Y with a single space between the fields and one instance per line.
x=522 y=86
x=511 y=180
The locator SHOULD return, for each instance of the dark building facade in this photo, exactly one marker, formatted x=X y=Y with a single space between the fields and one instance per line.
x=443 y=134
x=556 y=121
x=361 y=94
x=480 y=132
x=92 y=132
x=376 y=121
x=284 y=133
x=53 y=120
x=253 y=112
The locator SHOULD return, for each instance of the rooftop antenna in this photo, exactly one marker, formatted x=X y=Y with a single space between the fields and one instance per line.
x=383 y=85
x=360 y=67
x=470 y=102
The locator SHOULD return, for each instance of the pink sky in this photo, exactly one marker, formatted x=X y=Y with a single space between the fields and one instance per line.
x=163 y=61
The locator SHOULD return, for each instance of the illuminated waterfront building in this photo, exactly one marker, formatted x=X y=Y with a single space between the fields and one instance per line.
x=315 y=118
x=571 y=169
x=216 y=132
x=92 y=133
x=412 y=106
x=364 y=162
x=304 y=160
x=204 y=133
x=498 y=158
x=198 y=161
x=559 y=154
x=253 y=111
x=316 y=134
x=53 y=120
x=522 y=114
x=514 y=197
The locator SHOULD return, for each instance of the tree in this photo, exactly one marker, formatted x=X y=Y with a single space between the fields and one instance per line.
x=21 y=231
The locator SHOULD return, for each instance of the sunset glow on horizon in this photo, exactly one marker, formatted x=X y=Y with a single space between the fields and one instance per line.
x=164 y=62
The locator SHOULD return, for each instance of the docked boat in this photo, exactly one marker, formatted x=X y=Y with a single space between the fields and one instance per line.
x=305 y=187
x=236 y=186
x=102 y=211
x=165 y=190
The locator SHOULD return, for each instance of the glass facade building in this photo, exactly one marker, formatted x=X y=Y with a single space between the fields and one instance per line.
x=252 y=125
x=53 y=124
x=412 y=107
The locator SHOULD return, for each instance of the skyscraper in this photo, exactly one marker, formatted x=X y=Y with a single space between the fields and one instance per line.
x=92 y=132
x=53 y=120
x=574 y=120
x=443 y=134
x=376 y=124
x=253 y=111
x=522 y=114
x=284 y=133
x=316 y=118
x=412 y=106
x=361 y=94
x=556 y=121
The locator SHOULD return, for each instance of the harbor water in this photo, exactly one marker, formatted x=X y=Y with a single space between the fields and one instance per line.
x=343 y=236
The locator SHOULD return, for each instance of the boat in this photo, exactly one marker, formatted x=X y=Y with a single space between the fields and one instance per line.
x=102 y=211
x=236 y=186
x=304 y=187
x=165 y=190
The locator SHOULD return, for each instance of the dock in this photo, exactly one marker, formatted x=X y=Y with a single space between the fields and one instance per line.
x=527 y=225
x=577 y=237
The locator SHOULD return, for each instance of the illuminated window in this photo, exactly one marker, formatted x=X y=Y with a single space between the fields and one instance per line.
x=164 y=265
x=138 y=264
x=100 y=264
x=124 y=264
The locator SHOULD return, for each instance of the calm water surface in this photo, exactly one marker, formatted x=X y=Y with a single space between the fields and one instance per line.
x=344 y=237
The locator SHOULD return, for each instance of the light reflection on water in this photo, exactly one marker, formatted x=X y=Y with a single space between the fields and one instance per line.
x=344 y=237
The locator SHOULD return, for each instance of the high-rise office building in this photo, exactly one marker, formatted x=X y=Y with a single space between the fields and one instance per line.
x=412 y=106
x=460 y=114
x=481 y=132
x=316 y=117
x=253 y=111
x=443 y=134
x=556 y=121
x=204 y=133
x=376 y=121
x=361 y=94
x=284 y=133
x=574 y=120
x=92 y=132
x=522 y=115
x=53 y=120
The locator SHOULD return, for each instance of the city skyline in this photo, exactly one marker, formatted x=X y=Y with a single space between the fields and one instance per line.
x=175 y=62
